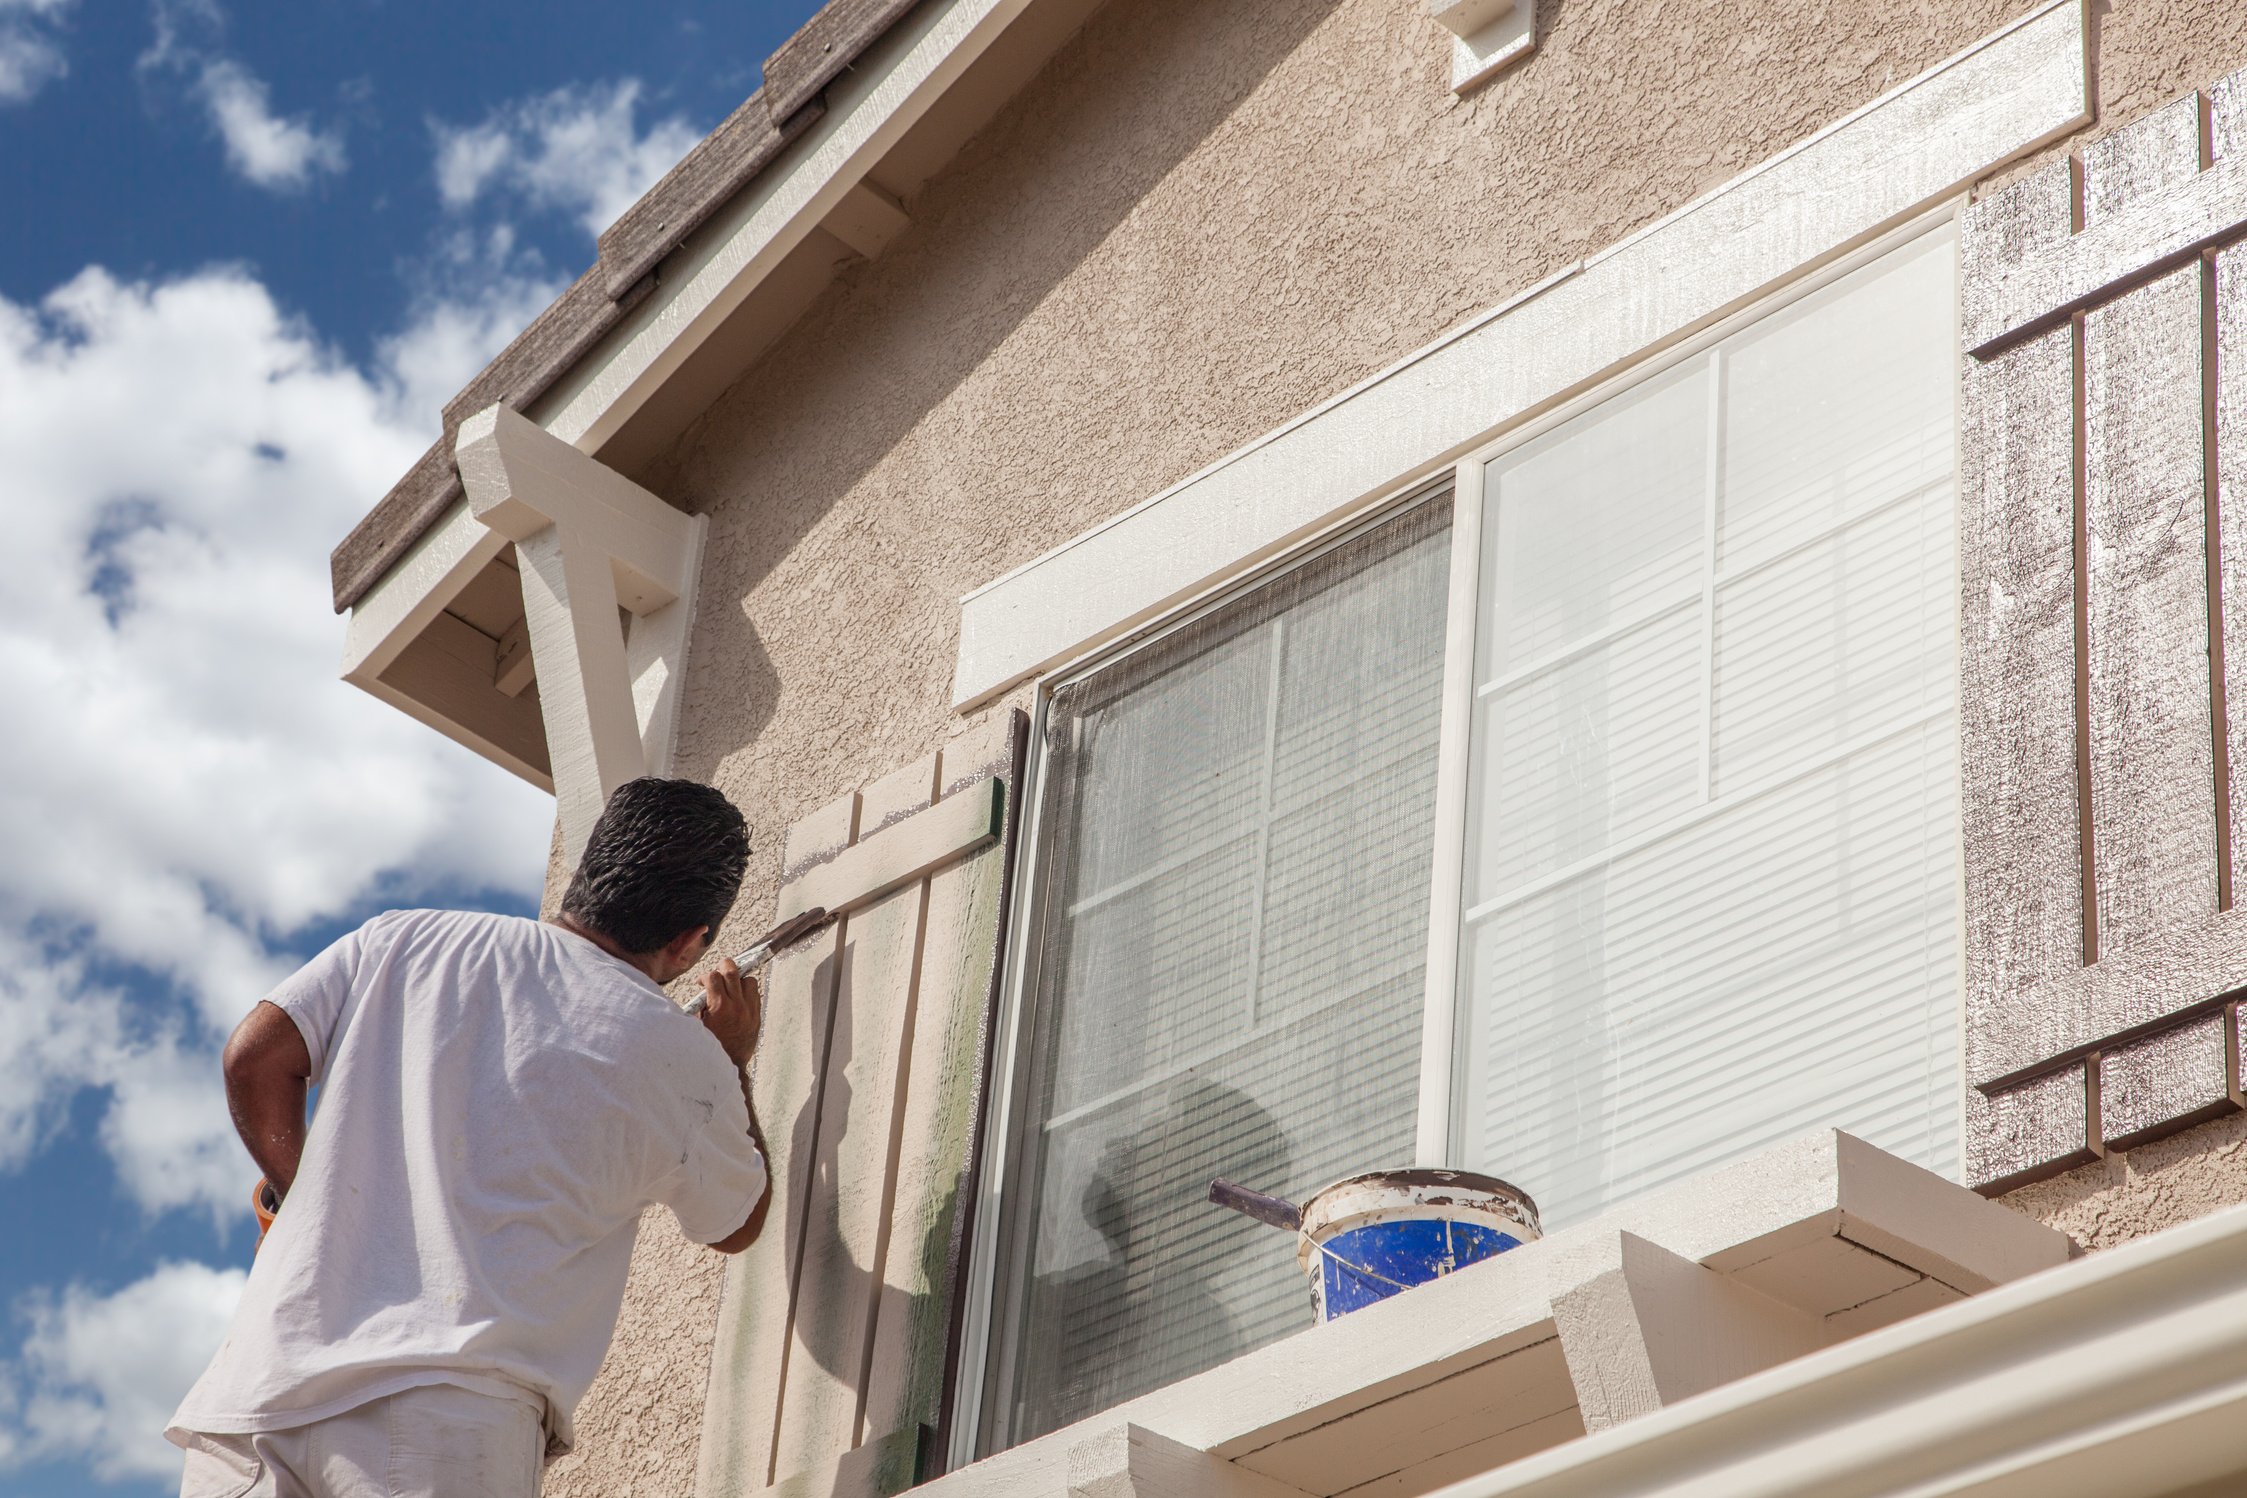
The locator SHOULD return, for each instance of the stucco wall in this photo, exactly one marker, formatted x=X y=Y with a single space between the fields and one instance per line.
x=2153 y=1187
x=1203 y=217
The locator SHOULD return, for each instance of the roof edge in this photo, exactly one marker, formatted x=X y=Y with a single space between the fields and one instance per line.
x=719 y=167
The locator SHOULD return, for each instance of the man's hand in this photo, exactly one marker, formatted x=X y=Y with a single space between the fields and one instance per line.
x=732 y=1010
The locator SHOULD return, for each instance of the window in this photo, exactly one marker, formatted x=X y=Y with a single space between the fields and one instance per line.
x=1704 y=845
x=1229 y=968
x=1710 y=899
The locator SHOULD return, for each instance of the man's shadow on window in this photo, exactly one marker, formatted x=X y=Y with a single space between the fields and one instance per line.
x=1146 y=1309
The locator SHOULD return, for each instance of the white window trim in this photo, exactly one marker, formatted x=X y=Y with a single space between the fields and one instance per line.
x=1816 y=202
x=1437 y=1124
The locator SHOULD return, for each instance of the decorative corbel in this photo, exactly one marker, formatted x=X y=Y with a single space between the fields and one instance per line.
x=594 y=547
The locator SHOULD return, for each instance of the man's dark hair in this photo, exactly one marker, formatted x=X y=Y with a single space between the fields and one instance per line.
x=665 y=857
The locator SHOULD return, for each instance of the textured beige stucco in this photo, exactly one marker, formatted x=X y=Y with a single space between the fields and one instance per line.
x=2155 y=1186
x=1203 y=217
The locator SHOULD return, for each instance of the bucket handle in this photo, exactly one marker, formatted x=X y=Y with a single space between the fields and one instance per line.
x=1371 y=1274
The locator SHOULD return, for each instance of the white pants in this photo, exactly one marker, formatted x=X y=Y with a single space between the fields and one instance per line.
x=438 y=1441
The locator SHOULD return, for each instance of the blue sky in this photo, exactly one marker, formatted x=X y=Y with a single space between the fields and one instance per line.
x=245 y=254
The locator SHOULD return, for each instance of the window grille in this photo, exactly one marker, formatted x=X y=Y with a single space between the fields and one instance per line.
x=1711 y=888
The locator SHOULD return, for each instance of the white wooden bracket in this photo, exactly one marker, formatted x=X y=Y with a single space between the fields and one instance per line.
x=1659 y=1328
x=1486 y=36
x=594 y=547
x=1131 y=1461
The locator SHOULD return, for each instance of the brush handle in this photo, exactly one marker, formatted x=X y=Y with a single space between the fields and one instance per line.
x=766 y=947
x=1272 y=1211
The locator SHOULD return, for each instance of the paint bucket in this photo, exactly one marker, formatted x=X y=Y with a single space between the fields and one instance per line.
x=1366 y=1238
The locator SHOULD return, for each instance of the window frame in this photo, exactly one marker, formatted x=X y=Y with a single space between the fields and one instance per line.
x=1436 y=1130
x=1004 y=1122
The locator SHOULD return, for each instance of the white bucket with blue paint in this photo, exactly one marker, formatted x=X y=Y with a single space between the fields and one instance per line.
x=1372 y=1236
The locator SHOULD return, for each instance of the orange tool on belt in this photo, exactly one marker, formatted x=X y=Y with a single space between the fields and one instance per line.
x=264 y=1201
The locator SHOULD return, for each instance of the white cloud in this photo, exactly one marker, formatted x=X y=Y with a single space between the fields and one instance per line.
x=481 y=292
x=31 y=54
x=165 y=1126
x=185 y=781
x=100 y=1374
x=57 y=1034
x=576 y=150
x=283 y=154
x=280 y=153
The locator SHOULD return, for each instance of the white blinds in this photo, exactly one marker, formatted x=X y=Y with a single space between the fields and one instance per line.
x=1236 y=845
x=1710 y=894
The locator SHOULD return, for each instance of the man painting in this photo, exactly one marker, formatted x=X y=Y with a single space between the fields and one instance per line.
x=499 y=1100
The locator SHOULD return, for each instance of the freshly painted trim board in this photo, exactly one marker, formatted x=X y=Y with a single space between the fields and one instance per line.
x=1916 y=144
x=899 y=854
x=416 y=591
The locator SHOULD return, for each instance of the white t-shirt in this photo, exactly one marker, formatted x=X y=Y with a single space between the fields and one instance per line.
x=499 y=1101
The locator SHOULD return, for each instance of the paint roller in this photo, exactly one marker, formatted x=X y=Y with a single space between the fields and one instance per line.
x=769 y=946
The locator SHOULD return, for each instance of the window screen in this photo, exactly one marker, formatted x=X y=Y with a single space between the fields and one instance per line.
x=1229 y=970
x=1711 y=885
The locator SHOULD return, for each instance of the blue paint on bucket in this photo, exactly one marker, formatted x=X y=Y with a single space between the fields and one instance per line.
x=1369 y=1237
x=1364 y=1264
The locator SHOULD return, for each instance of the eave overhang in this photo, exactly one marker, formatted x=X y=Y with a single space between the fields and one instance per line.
x=857 y=111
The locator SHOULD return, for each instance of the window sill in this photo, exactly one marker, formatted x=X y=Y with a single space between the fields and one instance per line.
x=1800 y=1247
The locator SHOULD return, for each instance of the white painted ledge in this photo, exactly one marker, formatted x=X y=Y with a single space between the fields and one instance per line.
x=1895 y=158
x=2123 y=1375
x=1825 y=1238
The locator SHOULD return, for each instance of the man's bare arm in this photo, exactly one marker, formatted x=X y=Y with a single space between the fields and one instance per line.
x=733 y=1010
x=267 y=1071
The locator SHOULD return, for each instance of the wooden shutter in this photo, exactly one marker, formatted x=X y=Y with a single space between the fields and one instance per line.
x=2104 y=648
x=829 y=1373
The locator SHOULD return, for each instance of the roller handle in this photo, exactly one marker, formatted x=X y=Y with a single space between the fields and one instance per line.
x=1272 y=1211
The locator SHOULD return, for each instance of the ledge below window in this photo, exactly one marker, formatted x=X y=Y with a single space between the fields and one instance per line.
x=1783 y=1255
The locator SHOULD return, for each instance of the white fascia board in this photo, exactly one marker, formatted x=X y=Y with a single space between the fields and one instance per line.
x=1895 y=158
x=411 y=594
x=2124 y=1373
x=869 y=109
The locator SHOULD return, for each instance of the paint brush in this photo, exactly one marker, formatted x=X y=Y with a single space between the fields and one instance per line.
x=769 y=946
